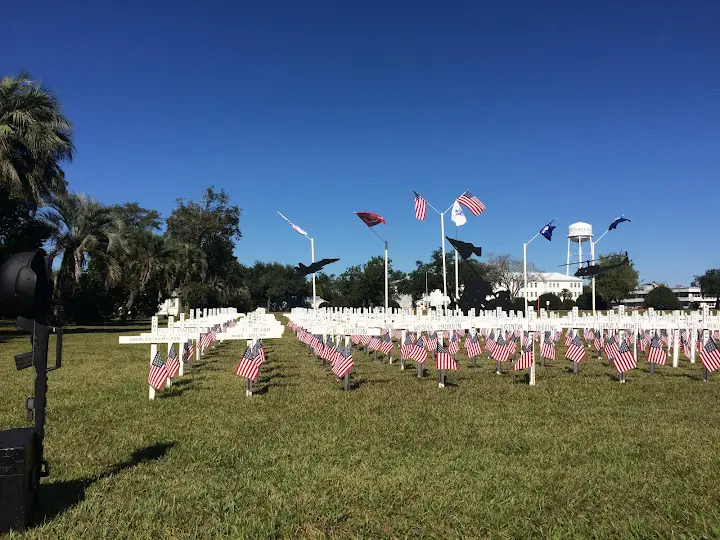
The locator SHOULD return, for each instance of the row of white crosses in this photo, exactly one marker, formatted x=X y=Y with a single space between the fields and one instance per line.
x=201 y=321
x=331 y=322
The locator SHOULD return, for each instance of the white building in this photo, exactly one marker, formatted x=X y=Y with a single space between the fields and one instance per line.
x=540 y=283
x=687 y=296
x=171 y=306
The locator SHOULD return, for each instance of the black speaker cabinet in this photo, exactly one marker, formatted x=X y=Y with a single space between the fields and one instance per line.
x=19 y=478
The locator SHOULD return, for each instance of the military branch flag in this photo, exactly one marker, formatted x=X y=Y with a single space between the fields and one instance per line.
x=472 y=203
x=370 y=219
x=547 y=230
x=158 y=372
x=710 y=355
x=172 y=363
x=420 y=207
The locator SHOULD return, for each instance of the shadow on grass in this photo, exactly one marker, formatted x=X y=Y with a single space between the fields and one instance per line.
x=57 y=497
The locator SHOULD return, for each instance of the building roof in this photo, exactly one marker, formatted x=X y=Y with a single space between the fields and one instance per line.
x=551 y=276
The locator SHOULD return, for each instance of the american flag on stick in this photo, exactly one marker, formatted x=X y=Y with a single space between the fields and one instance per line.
x=443 y=359
x=386 y=346
x=575 y=351
x=420 y=207
x=472 y=346
x=406 y=347
x=158 y=372
x=172 y=363
x=625 y=360
x=343 y=362
x=418 y=352
x=710 y=356
x=453 y=345
x=500 y=352
x=547 y=348
x=471 y=202
x=526 y=357
x=656 y=354
x=248 y=367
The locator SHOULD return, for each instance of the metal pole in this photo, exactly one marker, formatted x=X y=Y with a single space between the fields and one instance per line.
x=525 y=287
x=457 y=278
x=442 y=237
x=592 y=256
x=386 y=277
x=312 y=256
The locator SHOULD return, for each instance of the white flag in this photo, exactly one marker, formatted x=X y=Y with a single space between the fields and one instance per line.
x=457 y=215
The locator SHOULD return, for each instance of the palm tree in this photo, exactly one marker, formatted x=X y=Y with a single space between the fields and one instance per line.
x=84 y=229
x=35 y=138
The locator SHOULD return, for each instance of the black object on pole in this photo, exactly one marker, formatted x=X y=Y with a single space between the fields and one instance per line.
x=26 y=292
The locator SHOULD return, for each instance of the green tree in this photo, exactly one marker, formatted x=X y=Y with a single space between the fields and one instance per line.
x=663 y=298
x=35 y=139
x=83 y=229
x=584 y=301
x=19 y=230
x=616 y=283
x=709 y=284
x=565 y=294
x=554 y=299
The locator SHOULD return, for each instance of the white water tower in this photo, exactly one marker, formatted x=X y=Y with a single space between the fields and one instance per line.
x=578 y=233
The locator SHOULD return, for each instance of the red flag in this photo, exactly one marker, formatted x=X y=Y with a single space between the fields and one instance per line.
x=370 y=219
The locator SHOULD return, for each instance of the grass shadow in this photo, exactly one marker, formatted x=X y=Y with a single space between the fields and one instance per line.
x=57 y=497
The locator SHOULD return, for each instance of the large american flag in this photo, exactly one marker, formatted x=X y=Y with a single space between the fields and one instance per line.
x=172 y=363
x=526 y=357
x=656 y=353
x=158 y=372
x=575 y=351
x=248 y=367
x=624 y=360
x=472 y=346
x=420 y=207
x=443 y=359
x=710 y=356
x=472 y=203
x=547 y=349
x=343 y=362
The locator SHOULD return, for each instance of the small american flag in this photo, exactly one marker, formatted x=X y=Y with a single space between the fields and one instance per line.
x=248 y=366
x=407 y=346
x=472 y=203
x=418 y=352
x=547 y=349
x=172 y=363
x=710 y=356
x=443 y=359
x=500 y=352
x=611 y=348
x=472 y=346
x=453 y=346
x=158 y=372
x=644 y=341
x=386 y=345
x=526 y=357
x=343 y=363
x=625 y=360
x=374 y=344
x=420 y=207
x=490 y=342
x=189 y=352
x=575 y=351
x=656 y=354
x=598 y=341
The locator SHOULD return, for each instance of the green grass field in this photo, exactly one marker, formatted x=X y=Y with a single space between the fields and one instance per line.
x=488 y=456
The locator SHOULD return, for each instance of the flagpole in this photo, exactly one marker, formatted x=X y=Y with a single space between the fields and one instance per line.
x=442 y=237
x=312 y=257
x=457 y=273
x=386 y=278
x=525 y=286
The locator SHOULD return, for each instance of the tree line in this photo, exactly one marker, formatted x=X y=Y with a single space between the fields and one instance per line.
x=124 y=260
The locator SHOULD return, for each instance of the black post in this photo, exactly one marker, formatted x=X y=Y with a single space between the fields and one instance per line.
x=706 y=375
x=498 y=366
x=652 y=367
x=576 y=367
x=347 y=381
x=420 y=369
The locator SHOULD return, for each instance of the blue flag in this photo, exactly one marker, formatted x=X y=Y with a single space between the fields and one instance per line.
x=616 y=222
x=547 y=230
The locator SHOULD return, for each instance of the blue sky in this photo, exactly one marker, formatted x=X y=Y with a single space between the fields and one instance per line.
x=576 y=110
